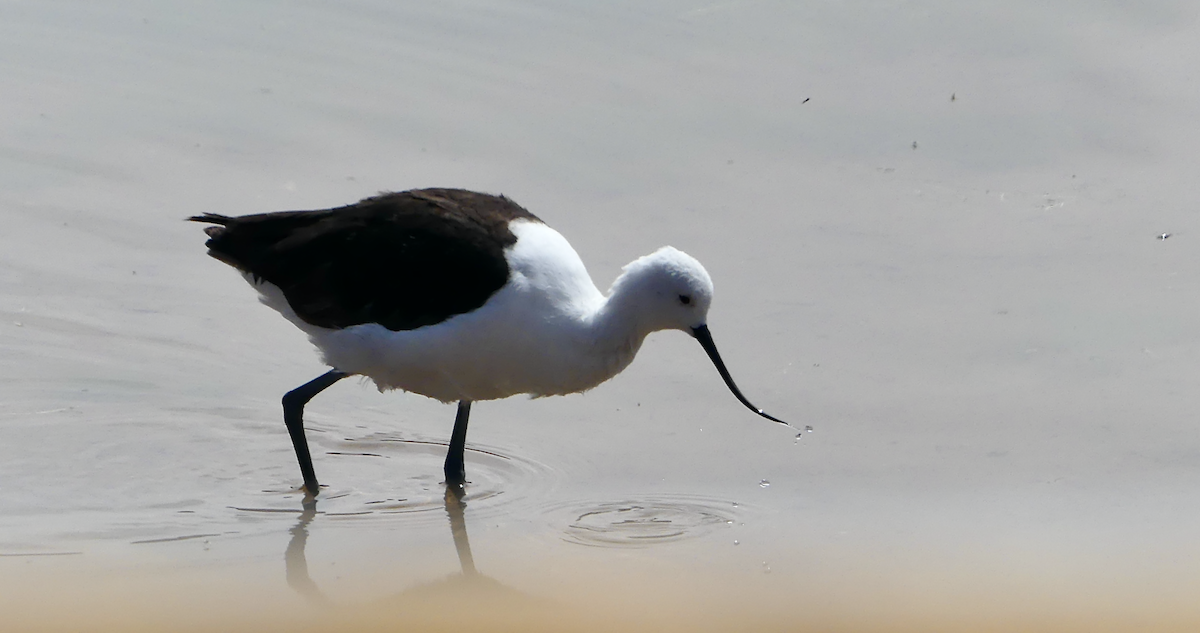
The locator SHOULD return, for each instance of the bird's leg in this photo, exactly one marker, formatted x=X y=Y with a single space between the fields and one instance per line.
x=293 y=416
x=456 y=472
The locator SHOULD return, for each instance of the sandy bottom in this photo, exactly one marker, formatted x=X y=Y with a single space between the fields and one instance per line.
x=606 y=600
x=595 y=589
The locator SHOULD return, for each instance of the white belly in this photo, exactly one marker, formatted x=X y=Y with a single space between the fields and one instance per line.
x=534 y=336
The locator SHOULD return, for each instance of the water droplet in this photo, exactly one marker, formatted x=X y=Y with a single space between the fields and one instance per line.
x=766 y=568
x=808 y=429
x=764 y=484
x=735 y=504
x=736 y=542
x=798 y=436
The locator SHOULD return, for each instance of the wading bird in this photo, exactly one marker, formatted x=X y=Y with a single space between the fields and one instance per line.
x=458 y=296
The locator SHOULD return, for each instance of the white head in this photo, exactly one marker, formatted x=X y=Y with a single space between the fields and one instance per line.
x=669 y=290
x=665 y=290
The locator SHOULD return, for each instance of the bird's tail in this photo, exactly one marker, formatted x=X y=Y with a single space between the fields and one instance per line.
x=212 y=218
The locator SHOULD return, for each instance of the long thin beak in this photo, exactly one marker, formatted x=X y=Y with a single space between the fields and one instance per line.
x=705 y=337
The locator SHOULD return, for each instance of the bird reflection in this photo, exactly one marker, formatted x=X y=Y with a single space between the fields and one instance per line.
x=296 y=563
x=455 y=505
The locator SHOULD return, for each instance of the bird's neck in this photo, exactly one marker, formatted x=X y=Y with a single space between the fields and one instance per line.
x=618 y=330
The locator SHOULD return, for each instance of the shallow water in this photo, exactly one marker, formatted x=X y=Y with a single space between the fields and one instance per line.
x=936 y=237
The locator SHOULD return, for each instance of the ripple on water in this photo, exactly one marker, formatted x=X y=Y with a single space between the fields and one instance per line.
x=648 y=521
x=382 y=475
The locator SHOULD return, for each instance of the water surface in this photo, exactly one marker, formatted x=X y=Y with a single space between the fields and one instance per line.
x=936 y=233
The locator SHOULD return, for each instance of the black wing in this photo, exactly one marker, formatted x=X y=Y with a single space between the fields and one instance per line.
x=402 y=260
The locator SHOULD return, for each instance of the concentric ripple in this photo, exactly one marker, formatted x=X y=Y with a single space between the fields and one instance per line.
x=647 y=522
x=384 y=474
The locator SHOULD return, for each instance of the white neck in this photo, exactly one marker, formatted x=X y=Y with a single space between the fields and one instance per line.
x=617 y=328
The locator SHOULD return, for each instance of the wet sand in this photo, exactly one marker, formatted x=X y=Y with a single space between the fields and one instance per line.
x=958 y=243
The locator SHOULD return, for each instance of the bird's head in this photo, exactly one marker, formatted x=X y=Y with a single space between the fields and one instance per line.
x=669 y=290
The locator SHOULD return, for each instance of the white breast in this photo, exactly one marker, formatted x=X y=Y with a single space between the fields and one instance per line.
x=535 y=335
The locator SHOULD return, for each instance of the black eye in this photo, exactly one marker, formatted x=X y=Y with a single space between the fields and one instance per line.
x=685 y=300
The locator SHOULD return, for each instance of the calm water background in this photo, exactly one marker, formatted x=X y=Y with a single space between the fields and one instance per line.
x=935 y=232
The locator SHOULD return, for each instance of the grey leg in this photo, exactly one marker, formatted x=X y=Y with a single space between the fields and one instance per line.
x=293 y=416
x=456 y=472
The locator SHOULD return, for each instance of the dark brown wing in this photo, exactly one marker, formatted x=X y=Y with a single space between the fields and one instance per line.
x=402 y=260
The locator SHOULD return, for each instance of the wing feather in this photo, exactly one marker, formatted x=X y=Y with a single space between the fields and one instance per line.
x=403 y=260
